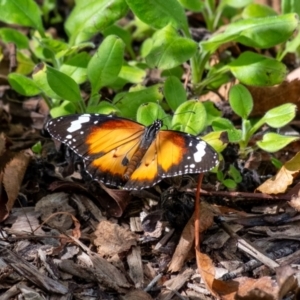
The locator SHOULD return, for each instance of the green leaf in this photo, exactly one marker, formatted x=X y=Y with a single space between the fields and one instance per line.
x=229 y=183
x=177 y=72
x=37 y=148
x=280 y=116
x=105 y=65
x=221 y=124
x=254 y=69
x=40 y=78
x=23 y=85
x=235 y=174
x=25 y=13
x=240 y=101
x=159 y=14
x=174 y=91
x=73 y=50
x=215 y=139
x=190 y=117
x=129 y=102
x=211 y=112
x=255 y=32
x=25 y=63
x=193 y=5
x=66 y=108
x=132 y=74
x=10 y=35
x=63 y=85
x=149 y=112
x=104 y=107
x=76 y=67
x=93 y=16
x=235 y=4
x=255 y=10
x=169 y=49
x=290 y=6
x=273 y=142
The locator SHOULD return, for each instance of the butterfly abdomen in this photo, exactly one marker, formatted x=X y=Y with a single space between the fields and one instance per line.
x=134 y=162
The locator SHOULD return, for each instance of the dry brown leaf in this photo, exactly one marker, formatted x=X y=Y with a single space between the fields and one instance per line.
x=187 y=237
x=285 y=176
x=265 y=98
x=136 y=295
x=112 y=239
x=13 y=176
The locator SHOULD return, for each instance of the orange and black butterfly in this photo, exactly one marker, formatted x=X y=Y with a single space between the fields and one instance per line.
x=123 y=153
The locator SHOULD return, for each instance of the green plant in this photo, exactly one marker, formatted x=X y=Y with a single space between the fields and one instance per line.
x=241 y=103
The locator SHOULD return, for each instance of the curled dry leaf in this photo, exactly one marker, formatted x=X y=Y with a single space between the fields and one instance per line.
x=187 y=237
x=285 y=176
x=112 y=239
x=13 y=176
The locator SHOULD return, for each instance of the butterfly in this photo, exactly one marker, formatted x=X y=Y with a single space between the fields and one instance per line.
x=123 y=153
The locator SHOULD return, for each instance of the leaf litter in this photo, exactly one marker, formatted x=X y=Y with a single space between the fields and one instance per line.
x=71 y=236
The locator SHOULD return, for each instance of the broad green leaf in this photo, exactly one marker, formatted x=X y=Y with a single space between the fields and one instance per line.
x=129 y=102
x=255 y=32
x=40 y=78
x=273 y=142
x=63 y=85
x=10 y=35
x=74 y=49
x=280 y=116
x=25 y=63
x=25 y=13
x=230 y=184
x=170 y=49
x=190 y=117
x=254 y=69
x=240 y=100
x=105 y=65
x=76 y=67
x=214 y=138
x=149 y=112
x=221 y=124
x=23 y=85
x=174 y=91
x=193 y=5
x=255 y=10
x=93 y=16
x=177 y=72
x=159 y=13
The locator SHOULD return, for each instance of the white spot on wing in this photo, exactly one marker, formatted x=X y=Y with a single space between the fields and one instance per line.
x=77 y=124
x=200 y=151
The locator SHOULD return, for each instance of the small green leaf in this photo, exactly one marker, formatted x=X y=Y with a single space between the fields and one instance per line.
x=240 y=100
x=132 y=74
x=229 y=183
x=66 y=108
x=40 y=78
x=159 y=13
x=104 y=107
x=170 y=49
x=149 y=112
x=23 y=85
x=193 y=5
x=129 y=102
x=290 y=6
x=10 y=35
x=273 y=142
x=280 y=116
x=255 y=10
x=221 y=124
x=211 y=112
x=254 y=69
x=25 y=13
x=93 y=16
x=214 y=139
x=105 y=65
x=174 y=91
x=63 y=85
x=25 y=63
x=190 y=117
x=37 y=148
x=235 y=174
x=235 y=4
x=76 y=67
